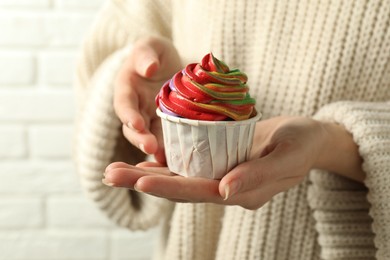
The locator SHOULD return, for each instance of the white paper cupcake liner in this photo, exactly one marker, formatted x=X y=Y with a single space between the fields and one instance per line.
x=208 y=149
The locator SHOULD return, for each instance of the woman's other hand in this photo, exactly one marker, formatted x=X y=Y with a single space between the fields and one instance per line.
x=151 y=62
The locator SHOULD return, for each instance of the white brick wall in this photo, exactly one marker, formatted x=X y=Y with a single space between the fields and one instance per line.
x=44 y=214
x=17 y=68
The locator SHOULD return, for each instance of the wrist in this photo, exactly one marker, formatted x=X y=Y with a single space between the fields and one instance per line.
x=339 y=153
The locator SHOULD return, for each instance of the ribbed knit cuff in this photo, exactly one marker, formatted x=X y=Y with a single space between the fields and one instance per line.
x=343 y=207
x=97 y=138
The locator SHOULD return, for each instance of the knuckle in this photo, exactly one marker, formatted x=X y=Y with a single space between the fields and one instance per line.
x=258 y=177
x=150 y=39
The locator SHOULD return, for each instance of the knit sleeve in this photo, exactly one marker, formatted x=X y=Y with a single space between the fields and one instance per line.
x=98 y=136
x=353 y=219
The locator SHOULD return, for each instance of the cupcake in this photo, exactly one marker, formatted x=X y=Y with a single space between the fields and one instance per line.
x=208 y=119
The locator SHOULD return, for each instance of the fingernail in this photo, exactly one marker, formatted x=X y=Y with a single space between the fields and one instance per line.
x=142 y=148
x=227 y=191
x=136 y=188
x=105 y=182
x=149 y=61
x=106 y=170
x=232 y=188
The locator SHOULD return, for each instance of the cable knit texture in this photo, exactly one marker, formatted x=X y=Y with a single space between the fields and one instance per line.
x=325 y=59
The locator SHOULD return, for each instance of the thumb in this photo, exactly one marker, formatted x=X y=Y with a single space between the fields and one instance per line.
x=247 y=176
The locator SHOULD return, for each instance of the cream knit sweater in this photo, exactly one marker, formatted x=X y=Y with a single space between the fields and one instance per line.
x=325 y=59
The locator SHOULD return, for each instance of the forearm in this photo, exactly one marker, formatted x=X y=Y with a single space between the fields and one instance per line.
x=339 y=153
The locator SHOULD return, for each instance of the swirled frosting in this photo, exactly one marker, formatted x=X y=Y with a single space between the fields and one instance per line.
x=207 y=91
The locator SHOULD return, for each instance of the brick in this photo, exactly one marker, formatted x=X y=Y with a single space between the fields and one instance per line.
x=38 y=177
x=43 y=30
x=36 y=106
x=67 y=29
x=12 y=142
x=50 y=141
x=14 y=211
x=25 y=3
x=57 y=68
x=16 y=68
x=22 y=30
x=132 y=245
x=77 y=4
x=74 y=211
x=53 y=245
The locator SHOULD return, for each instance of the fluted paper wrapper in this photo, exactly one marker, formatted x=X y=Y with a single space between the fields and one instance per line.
x=208 y=149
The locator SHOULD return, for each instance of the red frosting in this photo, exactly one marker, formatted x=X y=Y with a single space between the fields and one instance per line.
x=207 y=91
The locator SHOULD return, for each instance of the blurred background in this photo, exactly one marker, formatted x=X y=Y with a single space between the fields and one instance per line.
x=44 y=214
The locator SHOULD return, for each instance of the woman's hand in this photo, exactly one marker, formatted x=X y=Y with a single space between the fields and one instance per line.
x=151 y=62
x=284 y=151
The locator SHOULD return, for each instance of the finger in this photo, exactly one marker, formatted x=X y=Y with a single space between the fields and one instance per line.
x=180 y=188
x=145 y=141
x=156 y=128
x=146 y=62
x=115 y=165
x=153 y=167
x=145 y=59
x=247 y=176
x=150 y=164
x=129 y=175
x=157 y=53
x=126 y=101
